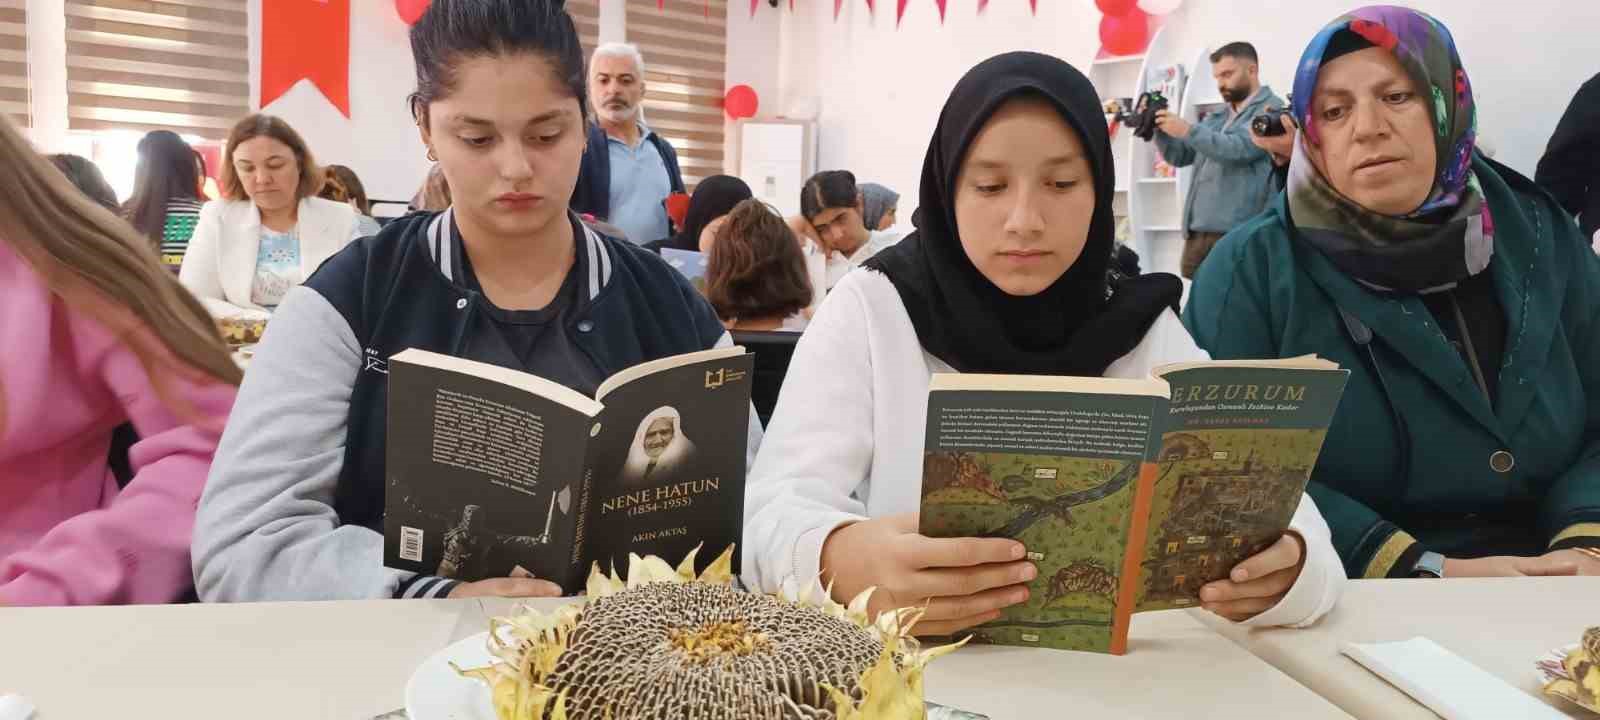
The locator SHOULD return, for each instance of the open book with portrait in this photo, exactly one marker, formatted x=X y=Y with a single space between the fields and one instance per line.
x=1129 y=495
x=498 y=473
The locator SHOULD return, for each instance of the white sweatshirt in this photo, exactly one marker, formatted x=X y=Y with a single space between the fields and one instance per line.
x=846 y=442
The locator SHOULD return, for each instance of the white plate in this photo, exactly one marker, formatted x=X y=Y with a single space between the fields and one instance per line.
x=437 y=692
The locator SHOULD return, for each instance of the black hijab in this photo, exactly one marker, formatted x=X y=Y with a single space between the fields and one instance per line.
x=714 y=197
x=1077 y=326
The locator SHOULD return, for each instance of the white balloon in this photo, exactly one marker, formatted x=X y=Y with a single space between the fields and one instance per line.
x=1159 y=7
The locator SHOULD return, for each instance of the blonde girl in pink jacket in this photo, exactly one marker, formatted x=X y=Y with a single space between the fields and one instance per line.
x=94 y=334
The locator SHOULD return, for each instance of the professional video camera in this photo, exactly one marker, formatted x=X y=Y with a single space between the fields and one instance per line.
x=1270 y=122
x=1141 y=116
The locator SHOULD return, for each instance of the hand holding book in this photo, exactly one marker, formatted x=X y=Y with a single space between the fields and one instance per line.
x=964 y=581
x=516 y=587
x=1260 y=582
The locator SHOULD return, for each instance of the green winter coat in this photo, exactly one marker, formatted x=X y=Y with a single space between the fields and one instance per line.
x=1263 y=294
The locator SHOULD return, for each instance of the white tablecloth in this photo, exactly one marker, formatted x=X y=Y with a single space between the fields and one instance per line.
x=1502 y=625
x=351 y=660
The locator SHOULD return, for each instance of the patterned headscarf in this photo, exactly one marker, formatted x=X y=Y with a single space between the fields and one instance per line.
x=1450 y=237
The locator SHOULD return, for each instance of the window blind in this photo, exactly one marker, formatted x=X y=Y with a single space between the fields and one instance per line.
x=14 y=61
x=685 y=50
x=586 y=15
x=180 y=65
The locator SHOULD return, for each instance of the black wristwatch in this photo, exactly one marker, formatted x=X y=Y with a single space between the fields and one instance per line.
x=1430 y=565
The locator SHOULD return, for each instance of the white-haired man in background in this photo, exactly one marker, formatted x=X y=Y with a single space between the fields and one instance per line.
x=628 y=171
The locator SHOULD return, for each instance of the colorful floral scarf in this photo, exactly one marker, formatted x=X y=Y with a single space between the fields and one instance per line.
x=1451 y=236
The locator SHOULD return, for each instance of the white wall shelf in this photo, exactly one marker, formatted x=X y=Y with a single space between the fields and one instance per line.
x=1156 y=207
x=1123 y=76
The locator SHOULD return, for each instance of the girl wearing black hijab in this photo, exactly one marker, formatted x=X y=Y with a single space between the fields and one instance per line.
x=713 y=198
x=1006 y=273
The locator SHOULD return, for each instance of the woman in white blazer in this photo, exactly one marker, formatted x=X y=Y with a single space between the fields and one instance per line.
x=1005 y=274
x=272 y=232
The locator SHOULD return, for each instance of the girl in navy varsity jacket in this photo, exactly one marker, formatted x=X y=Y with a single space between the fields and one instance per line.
x=294 y=504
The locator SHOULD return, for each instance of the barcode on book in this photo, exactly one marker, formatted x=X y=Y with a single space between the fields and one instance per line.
x=410 y=544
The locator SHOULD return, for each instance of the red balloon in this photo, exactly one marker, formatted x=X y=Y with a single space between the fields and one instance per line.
x=411 y=10
x=1116 y=7
x=741 y=102
x=1125 y=34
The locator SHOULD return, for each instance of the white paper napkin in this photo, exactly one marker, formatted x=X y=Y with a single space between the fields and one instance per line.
x=15 y=707
x=1447 y=684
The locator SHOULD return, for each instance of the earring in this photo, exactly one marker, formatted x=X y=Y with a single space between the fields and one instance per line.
x=432 y=157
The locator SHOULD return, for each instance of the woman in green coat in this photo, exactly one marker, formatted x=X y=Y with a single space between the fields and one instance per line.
x=1461 y=297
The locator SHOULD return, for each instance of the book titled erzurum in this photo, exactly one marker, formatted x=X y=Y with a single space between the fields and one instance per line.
x=1130 y=495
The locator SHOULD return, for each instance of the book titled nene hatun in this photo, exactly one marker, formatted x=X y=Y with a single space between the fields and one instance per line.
x=1130 y=495
x=497 y=473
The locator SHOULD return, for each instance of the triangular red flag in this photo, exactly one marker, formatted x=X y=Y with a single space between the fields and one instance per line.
x=753 y=4
x=982 y=5
x=306 y=40
x=941 y=4
x=1033 y=7
x=837 y=5
x=900 y=11
x=870 y=7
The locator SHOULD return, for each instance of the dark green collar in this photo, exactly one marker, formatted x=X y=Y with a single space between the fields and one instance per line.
x=1524 y=248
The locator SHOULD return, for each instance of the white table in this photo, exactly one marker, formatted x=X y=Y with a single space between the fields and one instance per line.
x=351 y=660
x=1502 y=625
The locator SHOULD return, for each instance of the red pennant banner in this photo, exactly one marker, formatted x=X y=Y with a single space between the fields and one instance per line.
x=871 y=9
x=941 y=4
x=837 y=5
x=900 y=11
x=982 y=6
x=753 y=5
x=306 y=40
x=1033 y=7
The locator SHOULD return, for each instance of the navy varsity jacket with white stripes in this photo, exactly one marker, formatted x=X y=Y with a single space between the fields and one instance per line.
x=294 y=504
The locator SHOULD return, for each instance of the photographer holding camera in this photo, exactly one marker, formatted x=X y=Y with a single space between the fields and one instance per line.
x=1232 y=179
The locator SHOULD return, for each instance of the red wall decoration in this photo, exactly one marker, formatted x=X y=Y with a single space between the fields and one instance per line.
x=411 y=10
x=306 y=40
x=741 y=101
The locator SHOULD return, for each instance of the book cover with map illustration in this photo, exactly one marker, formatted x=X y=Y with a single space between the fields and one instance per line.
x=1128 y=494
x=690 y=263
x=497 y=473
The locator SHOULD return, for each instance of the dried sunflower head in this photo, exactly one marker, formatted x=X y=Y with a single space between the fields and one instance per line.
x=1583 y=670
x=668 y=644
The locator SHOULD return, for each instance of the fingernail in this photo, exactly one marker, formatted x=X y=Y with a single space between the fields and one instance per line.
x=1240 y=574
x=1017 y=551
x=1029 y=572
x=1019 y=597
x=1209 y=594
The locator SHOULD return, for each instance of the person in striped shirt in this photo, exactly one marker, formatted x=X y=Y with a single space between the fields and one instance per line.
x=166 y=195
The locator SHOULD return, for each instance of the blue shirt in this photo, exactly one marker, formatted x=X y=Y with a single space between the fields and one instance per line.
x=639 y=184
x=277 y=267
